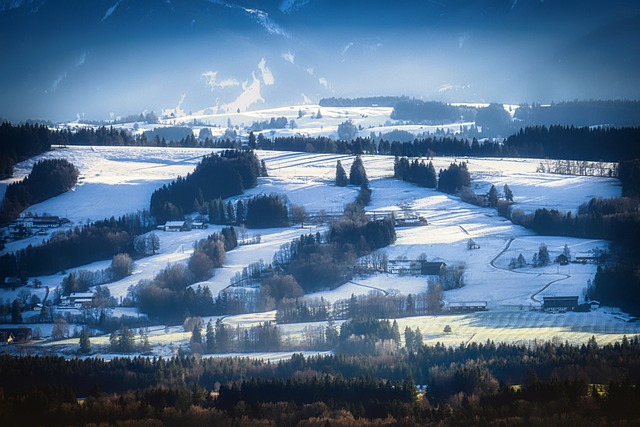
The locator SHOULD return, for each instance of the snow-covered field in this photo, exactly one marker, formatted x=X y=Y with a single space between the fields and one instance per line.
x=119 y=180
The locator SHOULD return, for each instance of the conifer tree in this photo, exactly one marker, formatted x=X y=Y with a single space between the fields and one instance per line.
x=493 y=196
x=357 y=174
x=85 y=342
x=508 y=194
x=341 y=175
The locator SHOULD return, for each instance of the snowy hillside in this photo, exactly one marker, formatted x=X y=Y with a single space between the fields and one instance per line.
x=116 y=180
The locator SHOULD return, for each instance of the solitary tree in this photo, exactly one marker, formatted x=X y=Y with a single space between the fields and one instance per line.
x=357 y=174
x=543 y=255
x=121 y=266
x=153 y=243
x=298 y=214
x=85 y=342
x=341 y=175
x=493 y=196
x=60 y=329
x=508 y=194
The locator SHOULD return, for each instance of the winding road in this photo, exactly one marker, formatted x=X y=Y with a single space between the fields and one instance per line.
x=534 y=295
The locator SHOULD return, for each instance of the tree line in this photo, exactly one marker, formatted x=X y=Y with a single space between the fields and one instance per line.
x=616 y=113
x=497 y=384
x=47 y=179
x=20 y=142
x=78 y=246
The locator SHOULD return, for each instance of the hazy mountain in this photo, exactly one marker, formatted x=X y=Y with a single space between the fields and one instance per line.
x=69 y=57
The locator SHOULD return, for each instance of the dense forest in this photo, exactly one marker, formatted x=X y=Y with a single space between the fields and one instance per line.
x=577 y=143
x=217 y=176
x=19 y=142
x=47 y=179
x=537 y=384
x=581 y=113
x=428 y=112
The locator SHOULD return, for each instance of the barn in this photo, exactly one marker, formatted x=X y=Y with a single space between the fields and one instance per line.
x=560 y=303
x=466 y=306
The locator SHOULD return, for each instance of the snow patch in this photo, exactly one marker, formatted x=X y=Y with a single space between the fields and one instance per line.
x=267 y=75
x=251 y=95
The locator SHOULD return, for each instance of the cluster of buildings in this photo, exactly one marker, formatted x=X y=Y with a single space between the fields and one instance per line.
x=25 y=226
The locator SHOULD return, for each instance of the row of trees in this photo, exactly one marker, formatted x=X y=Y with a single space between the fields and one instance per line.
x=417 y=172
x=47 y=179
x=77 y=246
x=555 y=142
x=221 y=338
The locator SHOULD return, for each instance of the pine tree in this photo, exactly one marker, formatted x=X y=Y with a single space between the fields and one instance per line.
x=493 y=196
x=396 y=332
x=196 y=334
x=341 y=175
x=431 y=180
x=409 y=339
x=508 y=194
x=231 y=215
x=357 y=174
x=417 y=339
x=210 y=337
x=241 y=212
x=145 y=345
x=85 y=342
x=521 y=261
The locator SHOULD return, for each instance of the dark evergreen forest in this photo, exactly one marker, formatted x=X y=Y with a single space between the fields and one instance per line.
x=500 y=384
x=47 y=179
x=217 y=176
x=19 y=142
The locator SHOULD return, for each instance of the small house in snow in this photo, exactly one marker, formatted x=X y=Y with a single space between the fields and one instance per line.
x=175 y=226
x=466 y=306
x=432 y=268
x=77 y=300
x=560 y=303
x=15 y=335
x=12 y=282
